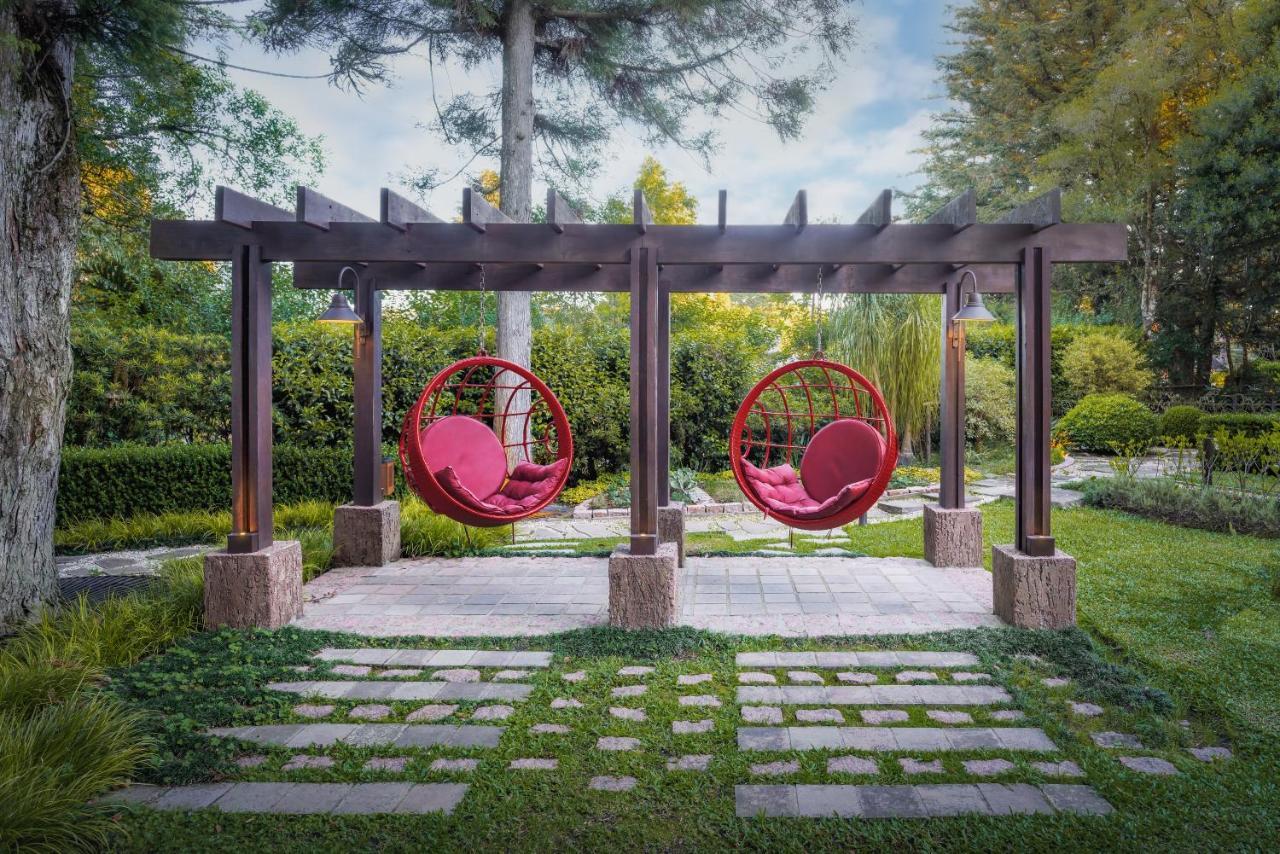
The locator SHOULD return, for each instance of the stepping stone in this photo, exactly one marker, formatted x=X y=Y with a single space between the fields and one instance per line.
x=1066 y=768
x=365 y=735
x=394 y=764
x=775 y=769
x=308 y=710
x=301 y=668
x=1055 y=682
x=700 y=700
x=916 y=676
x=627 y=714
x=612 y=784
x=851 y=765
x=1209 y=754
x=874 y=695
x=752 y=677
x=949 y=717
x=565 y=703
x=884 y=716
x=804 y=676
x=372 y=712
x=629 y=690
x=988 y=767
x=821 y=801
x=692 y=727
x=457 y=674
x=1081 y=800
x=302 y=761
x=457 y=765
x=492 y=713
x=762 y=714
x=549 y=729
x=885 y=739
x=300 y=798
x=402 y=690
x=251 y=761
x=968 y=676
x=1088 y=710
x=857 y=678
x=511 y=675
x=635 y=670
x=433 y=712
x=1148 y=765
x=693 y=762
x=693 y=678
x=915 y=766
x=436 y=657
x=832 y=716
x=575 y=676
x=1008 y=715
x=1116 y=739
x=351 y=670
x=617 y=743
x=400 y=672
x=534 y=764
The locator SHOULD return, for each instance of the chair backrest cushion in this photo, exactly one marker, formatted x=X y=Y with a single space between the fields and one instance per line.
x=843 y=452
x=470 y=448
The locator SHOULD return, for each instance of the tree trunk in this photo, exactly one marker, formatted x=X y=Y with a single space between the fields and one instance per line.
x=39 y=224
x=514 y=315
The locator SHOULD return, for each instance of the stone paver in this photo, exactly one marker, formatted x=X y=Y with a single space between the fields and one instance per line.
x=1210 y=754
x=880 y=739
x=775 y=769
x=534 y=764
x=493 y=713
x=435 y=657
x=455 y=765
x=401 y=735
x=884 y=716
x=855 y=659
x=1087 y=710
x=372 y=712
x=309 y=710
x=253 y=760
x=433 y=712
x=635 y=670
x=874 y=695
x=1066 y=768
x=857 y=677
x=1116 y=739
x=626 y=714
x=804 y=676
x=692 y=727
x=851 y=765
x=916 y=766
x=700 y=700
x=351 y=670
x=511 y=675
x=1055 y=682
x=575 y=676
x=754 y=677
x=457 y=674
x=400 y=690
x=988 y=767
x=612 y=784
x=549 y=729
x=299 y=798
x=1149 y=765
x=969 y=676
x=944 y=717
x=920 y=801
x=916 y=676
x=692 y=762
x=303 y=761
x=566 y=703
x=400 y=672
x=1008 y=715
x=617 y=743
x=693 y=678
x=762 y=714
x=629 y=691
x=827 y=716
x=395 y=764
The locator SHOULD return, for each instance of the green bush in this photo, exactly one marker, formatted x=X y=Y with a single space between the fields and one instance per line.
x=1192 y=507
x=1099 y=363
x=1101 y=422
x=1181 y=422
x=1254 y=424
x=990 y=403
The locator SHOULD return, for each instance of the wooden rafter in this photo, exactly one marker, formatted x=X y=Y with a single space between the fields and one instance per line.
x=960 y=213
x=240 y=210
x=559 y=212
x=477 y=213
x=320 y=211
x=798 y=214
x=398 y=212
x=1039 y=213
x=880 y=214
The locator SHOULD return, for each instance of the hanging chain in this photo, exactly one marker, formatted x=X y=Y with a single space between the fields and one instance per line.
x=815 y=313
x=480 y=321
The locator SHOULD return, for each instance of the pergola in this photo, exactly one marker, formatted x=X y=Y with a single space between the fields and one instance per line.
x=408 y=248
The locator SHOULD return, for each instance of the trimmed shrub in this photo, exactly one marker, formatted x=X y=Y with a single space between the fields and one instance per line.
x=1181 y=422
x=990 y=403
x=1099 y=363
x=1166 y=500
x=1253 y=424
x=1101 y=422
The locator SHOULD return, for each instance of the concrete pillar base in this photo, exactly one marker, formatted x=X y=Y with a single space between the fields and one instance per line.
x=952 y=536
x=643 y=589
x=671 y=528
x=366 y=536
x=260 y=589
x=1033 y=592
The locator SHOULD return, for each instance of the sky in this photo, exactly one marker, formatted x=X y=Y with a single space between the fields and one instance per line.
x=860 y=139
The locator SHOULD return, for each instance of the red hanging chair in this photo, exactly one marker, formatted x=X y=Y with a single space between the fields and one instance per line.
x=454 y=459
x=835 y=423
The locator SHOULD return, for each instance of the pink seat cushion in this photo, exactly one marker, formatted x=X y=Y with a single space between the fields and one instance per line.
x=470 y=449
x=780 y=490
x=528 y=486
x=843 y=452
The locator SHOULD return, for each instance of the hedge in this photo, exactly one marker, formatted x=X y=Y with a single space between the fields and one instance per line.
x=1253 y=424
x=1191 y=507
x=1105 y=422
x=119 y=482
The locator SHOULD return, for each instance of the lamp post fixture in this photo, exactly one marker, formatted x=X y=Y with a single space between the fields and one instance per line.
x=339 y=310
x=973 y=310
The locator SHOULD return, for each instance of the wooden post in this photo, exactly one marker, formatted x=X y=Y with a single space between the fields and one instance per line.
x=664 y=397
x=367 y=350
x=250 y=401
x=1032 y=497
x=644 y=388
x=951 y=446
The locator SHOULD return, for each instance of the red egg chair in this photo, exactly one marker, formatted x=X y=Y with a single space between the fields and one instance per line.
x=834 y=422
x=452 y=453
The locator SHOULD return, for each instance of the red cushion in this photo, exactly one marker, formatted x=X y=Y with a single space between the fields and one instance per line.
x=529 y=485
x=453 y=486
x=843 y=452
x=470 y=449
x=780 y=491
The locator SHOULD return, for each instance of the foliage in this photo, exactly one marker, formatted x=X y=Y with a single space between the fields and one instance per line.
x=1099 y=364
x=683 y=484
x=585 y=490
x=1255 y=424
x=1169 y=501
x=1243 y=455
x=670 y=202
x=427 y=534
x=1181 y=422
x=1100 y=422
x=990 y=402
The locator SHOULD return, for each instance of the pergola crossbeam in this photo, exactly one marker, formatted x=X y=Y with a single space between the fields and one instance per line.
x=237 y=209
x=798 y=214
x=880 y=213
x=960 y=213
x=1039 y=213
x=559 y=212
x=320 y=211
x=398 y=212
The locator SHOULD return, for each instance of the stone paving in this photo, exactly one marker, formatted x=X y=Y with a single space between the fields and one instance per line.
x=299 y=798
x=921 y=801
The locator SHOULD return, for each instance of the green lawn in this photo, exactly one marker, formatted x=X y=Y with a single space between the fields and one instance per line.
x=1185 y=630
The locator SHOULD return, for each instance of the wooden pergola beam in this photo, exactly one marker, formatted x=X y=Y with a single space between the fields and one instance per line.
x=880 y=214
x=320 y=211
x=235 y=208
x=722 y=219
x=477 y=213
x=559 y=212
x=798 y=214
x=1039 y=213
x=641 y=216
x=399 y=213
x=960 y=213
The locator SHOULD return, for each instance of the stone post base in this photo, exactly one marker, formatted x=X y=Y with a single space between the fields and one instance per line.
x=643 y=588
x=671 y=528
x=366 y=536
x=258 y=589
x=1033 y=592
x=952 y=536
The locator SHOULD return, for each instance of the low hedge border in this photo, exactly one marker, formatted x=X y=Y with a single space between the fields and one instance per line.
x=1191 y=507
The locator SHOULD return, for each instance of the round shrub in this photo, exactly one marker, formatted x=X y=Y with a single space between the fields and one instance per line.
x=1105 y=422
x=1099 y=363
x=1181 y=422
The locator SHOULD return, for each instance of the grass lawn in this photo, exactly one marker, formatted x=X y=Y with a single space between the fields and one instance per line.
x=1180 y=626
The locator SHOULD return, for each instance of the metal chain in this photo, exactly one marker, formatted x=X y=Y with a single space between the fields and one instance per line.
x=480 y=320
x=815 y=312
